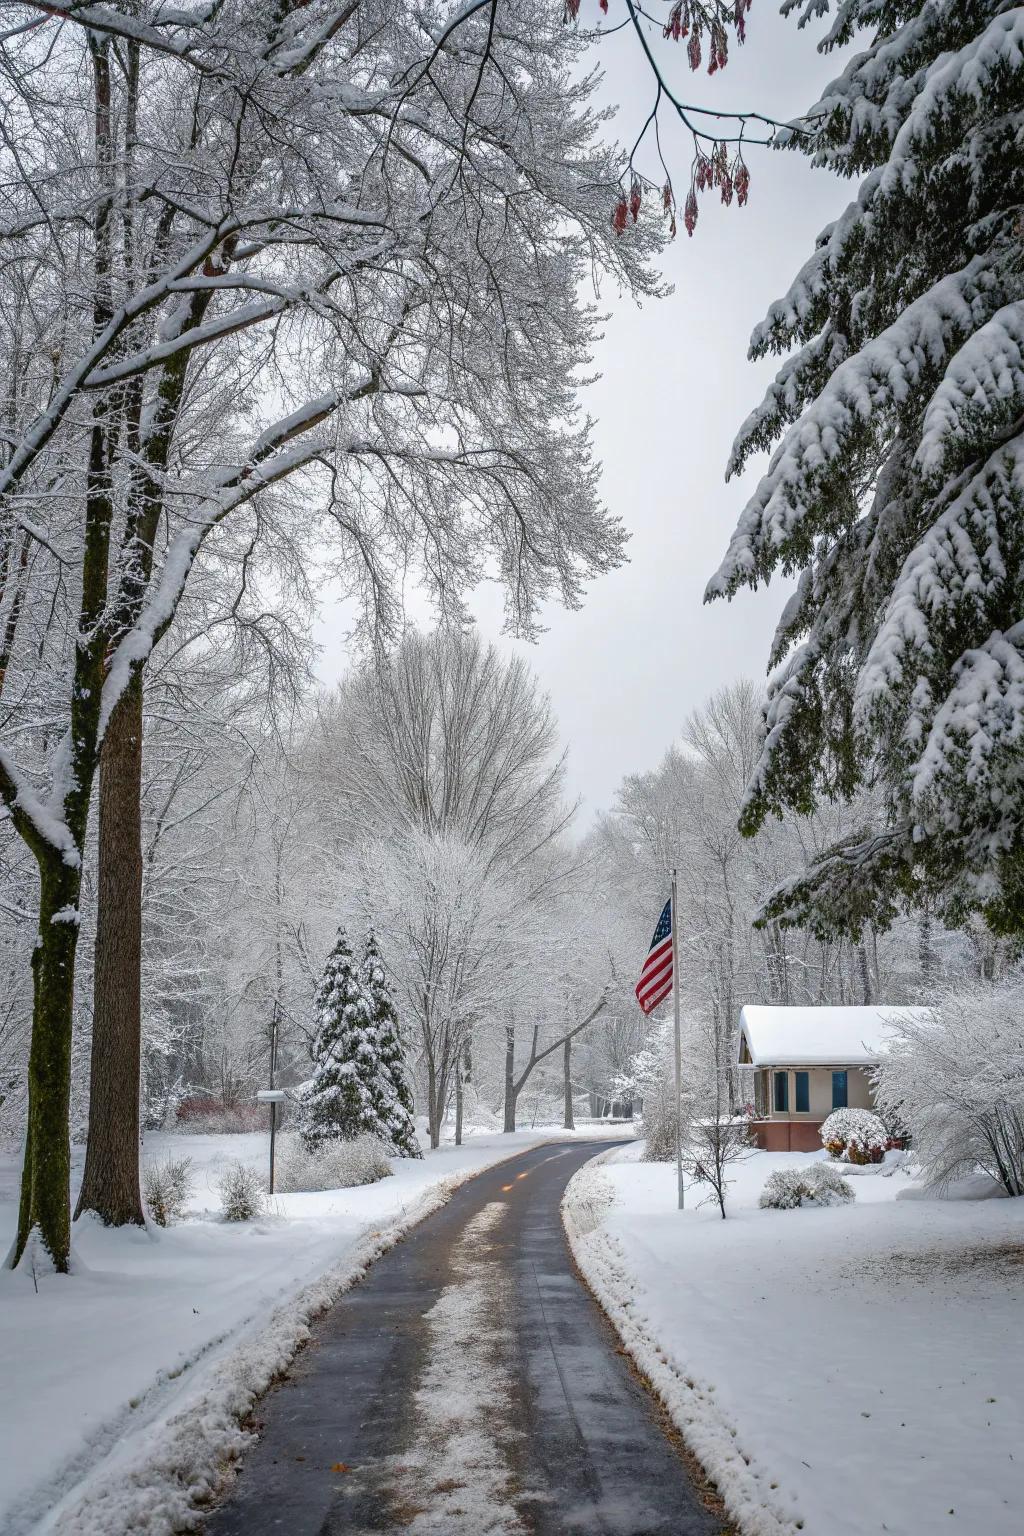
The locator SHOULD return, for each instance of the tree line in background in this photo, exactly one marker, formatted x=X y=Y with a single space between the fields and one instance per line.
x=424 y=798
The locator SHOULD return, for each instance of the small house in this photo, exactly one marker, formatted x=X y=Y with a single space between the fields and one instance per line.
x=806 y=1062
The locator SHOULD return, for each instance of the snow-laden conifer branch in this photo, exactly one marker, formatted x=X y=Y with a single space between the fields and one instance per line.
x=896 y=490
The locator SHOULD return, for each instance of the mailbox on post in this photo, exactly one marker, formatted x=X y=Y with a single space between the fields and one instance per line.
x=273 y=1097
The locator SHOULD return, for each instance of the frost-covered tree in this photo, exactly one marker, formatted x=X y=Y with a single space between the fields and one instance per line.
x=443 y=781
x=349 y=1094
x=382 y=1019
x=715 y=1135
x=896 y=493
x=447 y=736
x=953 y=1077
x=453 y=932
x=383 y=216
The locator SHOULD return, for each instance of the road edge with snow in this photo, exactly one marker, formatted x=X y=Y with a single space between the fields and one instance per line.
x=749 y=1492
x=186 y=1456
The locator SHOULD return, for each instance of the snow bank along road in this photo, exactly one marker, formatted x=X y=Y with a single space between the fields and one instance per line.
x=469 y=1386
x=854 y=1371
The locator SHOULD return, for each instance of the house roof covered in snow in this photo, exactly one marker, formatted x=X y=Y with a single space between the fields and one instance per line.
x=818 y=1037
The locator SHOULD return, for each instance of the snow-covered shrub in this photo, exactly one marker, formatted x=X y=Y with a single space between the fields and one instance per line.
x=955 y=1079
x=166 y=1187
x=855 y=1135
x=332 y=1165
x=817 y=1184
x=658 y=1126
x=477 y=1114
x=241 y=1192
x=649 y=1077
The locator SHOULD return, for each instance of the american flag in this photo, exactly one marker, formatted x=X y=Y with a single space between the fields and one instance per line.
x=655 y=982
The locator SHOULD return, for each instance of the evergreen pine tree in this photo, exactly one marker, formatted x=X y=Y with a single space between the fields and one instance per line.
x=383 y=1016
x=896 y=492
x=352 y=1092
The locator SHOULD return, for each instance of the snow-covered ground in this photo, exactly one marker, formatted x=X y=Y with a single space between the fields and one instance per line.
x=840 y=1372
x=125 y=1382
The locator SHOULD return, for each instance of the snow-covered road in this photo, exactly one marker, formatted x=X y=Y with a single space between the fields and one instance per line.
x=126 y=1381
x=468 y=1387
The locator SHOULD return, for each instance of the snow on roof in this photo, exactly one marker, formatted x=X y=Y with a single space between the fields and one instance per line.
x=809 y=1037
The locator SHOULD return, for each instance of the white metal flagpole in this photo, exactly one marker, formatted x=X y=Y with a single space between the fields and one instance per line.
x=679 y=1051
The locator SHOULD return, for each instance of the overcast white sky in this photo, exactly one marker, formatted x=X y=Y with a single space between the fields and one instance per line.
x=625 y=671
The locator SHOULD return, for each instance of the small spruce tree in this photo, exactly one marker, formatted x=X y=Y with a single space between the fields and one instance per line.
x=401 y=1132
x=340 y=1101
x=353 y=1091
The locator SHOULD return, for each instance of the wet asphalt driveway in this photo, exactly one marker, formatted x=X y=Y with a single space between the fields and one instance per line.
x=469 y=1386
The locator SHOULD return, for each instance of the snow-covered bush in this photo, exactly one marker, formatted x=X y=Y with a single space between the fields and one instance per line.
x=855 y=1135
x=241 y=1192
x=658 y=1126
x=166 y=1187
x=477 y=1113
x=955 y=1079
x=332 y=1165
x=649 y=1077
x=817 y=1184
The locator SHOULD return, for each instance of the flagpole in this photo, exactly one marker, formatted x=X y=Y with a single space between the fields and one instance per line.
x=678 y=1050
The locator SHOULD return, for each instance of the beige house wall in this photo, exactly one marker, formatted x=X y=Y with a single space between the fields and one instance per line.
x=820 y=1092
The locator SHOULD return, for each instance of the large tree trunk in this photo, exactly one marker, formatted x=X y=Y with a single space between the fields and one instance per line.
x=568 y=1123
x=45 y=1206
x=511 y=1095
x=110 y=1185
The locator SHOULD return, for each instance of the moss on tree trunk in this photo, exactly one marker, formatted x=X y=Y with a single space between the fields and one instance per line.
x=45 y=1207
x=110 y=1183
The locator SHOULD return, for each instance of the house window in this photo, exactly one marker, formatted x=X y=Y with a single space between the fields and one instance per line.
x=839 y=1090
x=803 y=1093
x=781 y=1092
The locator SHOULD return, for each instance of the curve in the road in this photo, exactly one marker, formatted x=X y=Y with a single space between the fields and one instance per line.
x=468 y=1386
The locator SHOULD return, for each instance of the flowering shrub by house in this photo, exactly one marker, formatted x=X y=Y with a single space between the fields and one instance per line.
x=855 y=1136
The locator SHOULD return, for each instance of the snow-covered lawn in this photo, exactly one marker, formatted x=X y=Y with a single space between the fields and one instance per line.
x=840 y=1372
x=125 y=1382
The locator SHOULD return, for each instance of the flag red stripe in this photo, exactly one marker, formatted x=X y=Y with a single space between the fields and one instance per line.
x=651 y=1001
x=654 y=983
x=664 y=948
x=656 y=969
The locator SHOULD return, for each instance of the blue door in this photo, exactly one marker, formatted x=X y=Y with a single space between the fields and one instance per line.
x=839 y=1090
